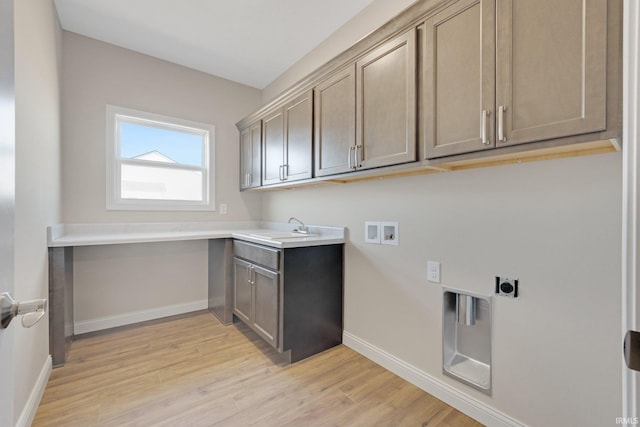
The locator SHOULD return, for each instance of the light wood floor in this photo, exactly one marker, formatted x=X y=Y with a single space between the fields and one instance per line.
x=193 y=371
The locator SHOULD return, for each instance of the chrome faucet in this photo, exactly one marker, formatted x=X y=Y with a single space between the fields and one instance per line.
x=302 y=229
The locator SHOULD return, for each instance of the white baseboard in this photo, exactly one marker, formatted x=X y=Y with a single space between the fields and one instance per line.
x=31 y=407
x=443 y=391
x=84 y=326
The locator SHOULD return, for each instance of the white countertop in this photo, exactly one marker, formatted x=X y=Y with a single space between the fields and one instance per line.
x=63 y=235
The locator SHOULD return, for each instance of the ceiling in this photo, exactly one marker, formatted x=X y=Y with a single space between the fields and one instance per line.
x=247 y=41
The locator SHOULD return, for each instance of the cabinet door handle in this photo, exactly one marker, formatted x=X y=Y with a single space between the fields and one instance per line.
x=249 y=274
x=249 y=179
x=483 y=126
x=349 y=157
x=280 y=173
x=501 y=136
x=359 y=156
x=285 y=172
x=252 y=275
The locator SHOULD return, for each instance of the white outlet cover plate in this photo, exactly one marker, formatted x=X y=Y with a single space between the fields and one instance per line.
x=433 y=271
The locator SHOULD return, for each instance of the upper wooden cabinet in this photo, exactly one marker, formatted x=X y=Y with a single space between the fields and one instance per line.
x=287 y=141
x=444 y=82
x=250 y=158
x=365 y=115
x=335 y=123
x=386 y=104
x=506 y=72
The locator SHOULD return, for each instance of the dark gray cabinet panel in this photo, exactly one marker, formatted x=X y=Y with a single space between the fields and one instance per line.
x=250 y=156
x=386 y=104
x=492 y=78
x=60 y=303
x=242 y=290
x=220 y=279
x=459 y=79
x=287 y=141
x=312 y=308
x=299 y=138
x=335 y=123
x=256 y=296
x=550 y=83
x=272 y=147
x=265 y=296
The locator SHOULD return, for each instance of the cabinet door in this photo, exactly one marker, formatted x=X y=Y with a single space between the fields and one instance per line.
x=273 y=147
x=386 y=104
x=266 y=297
x=242 y=290
x=250 y=159
x=298 y=138
x=551 y=69
x=335 y=123
x=459 y=79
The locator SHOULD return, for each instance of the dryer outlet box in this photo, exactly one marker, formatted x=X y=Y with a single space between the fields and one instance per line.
x=507 y=287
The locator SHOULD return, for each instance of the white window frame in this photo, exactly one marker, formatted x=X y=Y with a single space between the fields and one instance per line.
x=115 y=116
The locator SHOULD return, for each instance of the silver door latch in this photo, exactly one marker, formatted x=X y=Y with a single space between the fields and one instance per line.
x=31 y=311
x=632 y=350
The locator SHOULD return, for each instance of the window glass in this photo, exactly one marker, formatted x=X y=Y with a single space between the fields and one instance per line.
x=157 y=162
x=163 y=145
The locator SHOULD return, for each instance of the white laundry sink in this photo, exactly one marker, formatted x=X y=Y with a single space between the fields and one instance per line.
x=281 y=235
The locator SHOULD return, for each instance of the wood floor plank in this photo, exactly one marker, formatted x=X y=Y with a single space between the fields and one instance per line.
x=193 y=371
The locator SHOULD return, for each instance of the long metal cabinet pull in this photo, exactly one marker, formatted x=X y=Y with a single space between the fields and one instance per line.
x=483 y=127
x=501 y=110
x=349 y=157
x=359 y=158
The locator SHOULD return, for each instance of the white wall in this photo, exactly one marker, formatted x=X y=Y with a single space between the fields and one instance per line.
x=555 y=225
x=37 y=83
x=96 y=74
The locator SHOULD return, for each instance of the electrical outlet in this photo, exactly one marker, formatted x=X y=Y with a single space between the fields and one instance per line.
x=433 y=271
x=507 y=287
x=223 y=208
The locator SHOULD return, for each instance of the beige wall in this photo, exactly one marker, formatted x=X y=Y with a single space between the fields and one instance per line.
x=37 y=86
x=370 y=18
x=96 y=74
x=555 y=225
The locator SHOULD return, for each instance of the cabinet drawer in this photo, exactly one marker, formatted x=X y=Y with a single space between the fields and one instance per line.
x=257 y=254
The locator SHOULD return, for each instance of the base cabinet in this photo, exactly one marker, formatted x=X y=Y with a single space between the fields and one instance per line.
x=256 y=298
x=292 y=297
